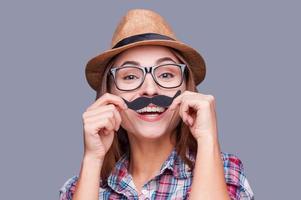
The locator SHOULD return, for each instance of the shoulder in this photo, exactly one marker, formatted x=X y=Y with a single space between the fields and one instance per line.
x=67 y=190
x=233 y=169
x=238 y=185
x=231 y=161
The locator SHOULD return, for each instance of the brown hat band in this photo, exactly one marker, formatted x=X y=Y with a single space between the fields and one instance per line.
x=141 y=37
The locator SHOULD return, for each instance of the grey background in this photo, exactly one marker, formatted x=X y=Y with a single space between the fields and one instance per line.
x=252 y=50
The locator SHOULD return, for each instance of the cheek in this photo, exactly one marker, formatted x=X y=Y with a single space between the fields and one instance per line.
x=112 y=88
x=175 y=119
x=183 y=86
x=126 y=121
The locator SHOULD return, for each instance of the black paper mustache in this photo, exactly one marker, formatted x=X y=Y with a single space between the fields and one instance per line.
x=159 y=100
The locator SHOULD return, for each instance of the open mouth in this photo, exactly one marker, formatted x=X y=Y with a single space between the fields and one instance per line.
x=151 y=113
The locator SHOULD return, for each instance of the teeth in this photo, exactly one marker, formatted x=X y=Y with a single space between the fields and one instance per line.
x=151 y=109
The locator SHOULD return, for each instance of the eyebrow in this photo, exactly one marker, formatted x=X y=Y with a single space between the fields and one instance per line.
x=164 y=59
x=160 y=60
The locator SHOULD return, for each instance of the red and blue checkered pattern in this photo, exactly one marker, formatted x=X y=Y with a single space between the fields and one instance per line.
x=173 y=181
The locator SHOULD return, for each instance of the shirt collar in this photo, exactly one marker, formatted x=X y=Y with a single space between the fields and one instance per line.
x=176 y=165
x=121 y=181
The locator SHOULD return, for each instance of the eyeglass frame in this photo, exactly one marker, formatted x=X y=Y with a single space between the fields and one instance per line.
x=150 y=70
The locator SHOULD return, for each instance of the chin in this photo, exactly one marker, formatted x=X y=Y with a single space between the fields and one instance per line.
x=151 y=132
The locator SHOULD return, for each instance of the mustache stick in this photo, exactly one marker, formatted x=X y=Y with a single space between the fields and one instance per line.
x=159 y=100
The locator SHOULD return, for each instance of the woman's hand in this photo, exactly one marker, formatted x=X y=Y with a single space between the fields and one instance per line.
x=198 y=113
x=100 y=121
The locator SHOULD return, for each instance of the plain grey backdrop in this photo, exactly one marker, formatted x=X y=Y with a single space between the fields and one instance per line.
x=252 y=50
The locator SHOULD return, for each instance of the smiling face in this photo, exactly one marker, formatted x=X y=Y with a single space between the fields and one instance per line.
x=151 y=122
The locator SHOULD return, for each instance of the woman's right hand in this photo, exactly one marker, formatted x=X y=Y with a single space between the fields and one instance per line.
x=101 y=120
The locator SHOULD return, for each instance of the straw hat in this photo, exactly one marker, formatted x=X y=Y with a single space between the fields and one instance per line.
x=143 y=27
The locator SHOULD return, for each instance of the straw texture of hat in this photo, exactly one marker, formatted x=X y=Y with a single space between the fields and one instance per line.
x=143 y=27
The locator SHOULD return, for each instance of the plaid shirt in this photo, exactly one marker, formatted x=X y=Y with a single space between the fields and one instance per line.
x=173 y=181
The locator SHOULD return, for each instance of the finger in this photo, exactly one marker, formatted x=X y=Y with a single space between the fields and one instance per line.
x=176 y=102
x=99 y=110
x=104 y=112
x=108 y=115
x=108 y=128
x=117 y=119
x=113 y=116
x=107 y=132
x=179 y=99
x=190 y=120
x=108 y=98
x=183 y=108
x=102 y=125
x=189 y=109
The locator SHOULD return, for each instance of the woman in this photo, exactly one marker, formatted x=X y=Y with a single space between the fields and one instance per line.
x=150 y=134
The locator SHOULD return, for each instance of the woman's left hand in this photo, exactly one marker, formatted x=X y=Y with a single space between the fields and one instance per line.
x=198 y=113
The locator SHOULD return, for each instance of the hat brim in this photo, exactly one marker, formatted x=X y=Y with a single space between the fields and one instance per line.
x=96 y=66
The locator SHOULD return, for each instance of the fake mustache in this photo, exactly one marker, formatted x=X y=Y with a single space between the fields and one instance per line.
x=159 y=100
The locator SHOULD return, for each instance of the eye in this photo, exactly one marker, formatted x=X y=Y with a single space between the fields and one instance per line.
x=130 y=77
x=166 y=75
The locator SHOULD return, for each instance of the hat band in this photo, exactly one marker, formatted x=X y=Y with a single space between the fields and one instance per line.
x=141 y=37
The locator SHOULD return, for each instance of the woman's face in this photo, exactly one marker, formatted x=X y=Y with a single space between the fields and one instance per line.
x=148 y=125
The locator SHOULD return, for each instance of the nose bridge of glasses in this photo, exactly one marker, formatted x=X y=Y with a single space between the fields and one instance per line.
x=149 y=71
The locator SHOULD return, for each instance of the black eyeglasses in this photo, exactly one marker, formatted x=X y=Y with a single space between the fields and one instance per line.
x=131 y=77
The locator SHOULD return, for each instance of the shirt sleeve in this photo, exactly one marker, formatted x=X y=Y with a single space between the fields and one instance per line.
x=67 y=190
x=237 y=183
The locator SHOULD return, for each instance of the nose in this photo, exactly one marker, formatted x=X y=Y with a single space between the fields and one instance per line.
x=149 y=86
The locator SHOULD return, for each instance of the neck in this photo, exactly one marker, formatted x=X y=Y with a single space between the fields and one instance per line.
x=147 y=157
